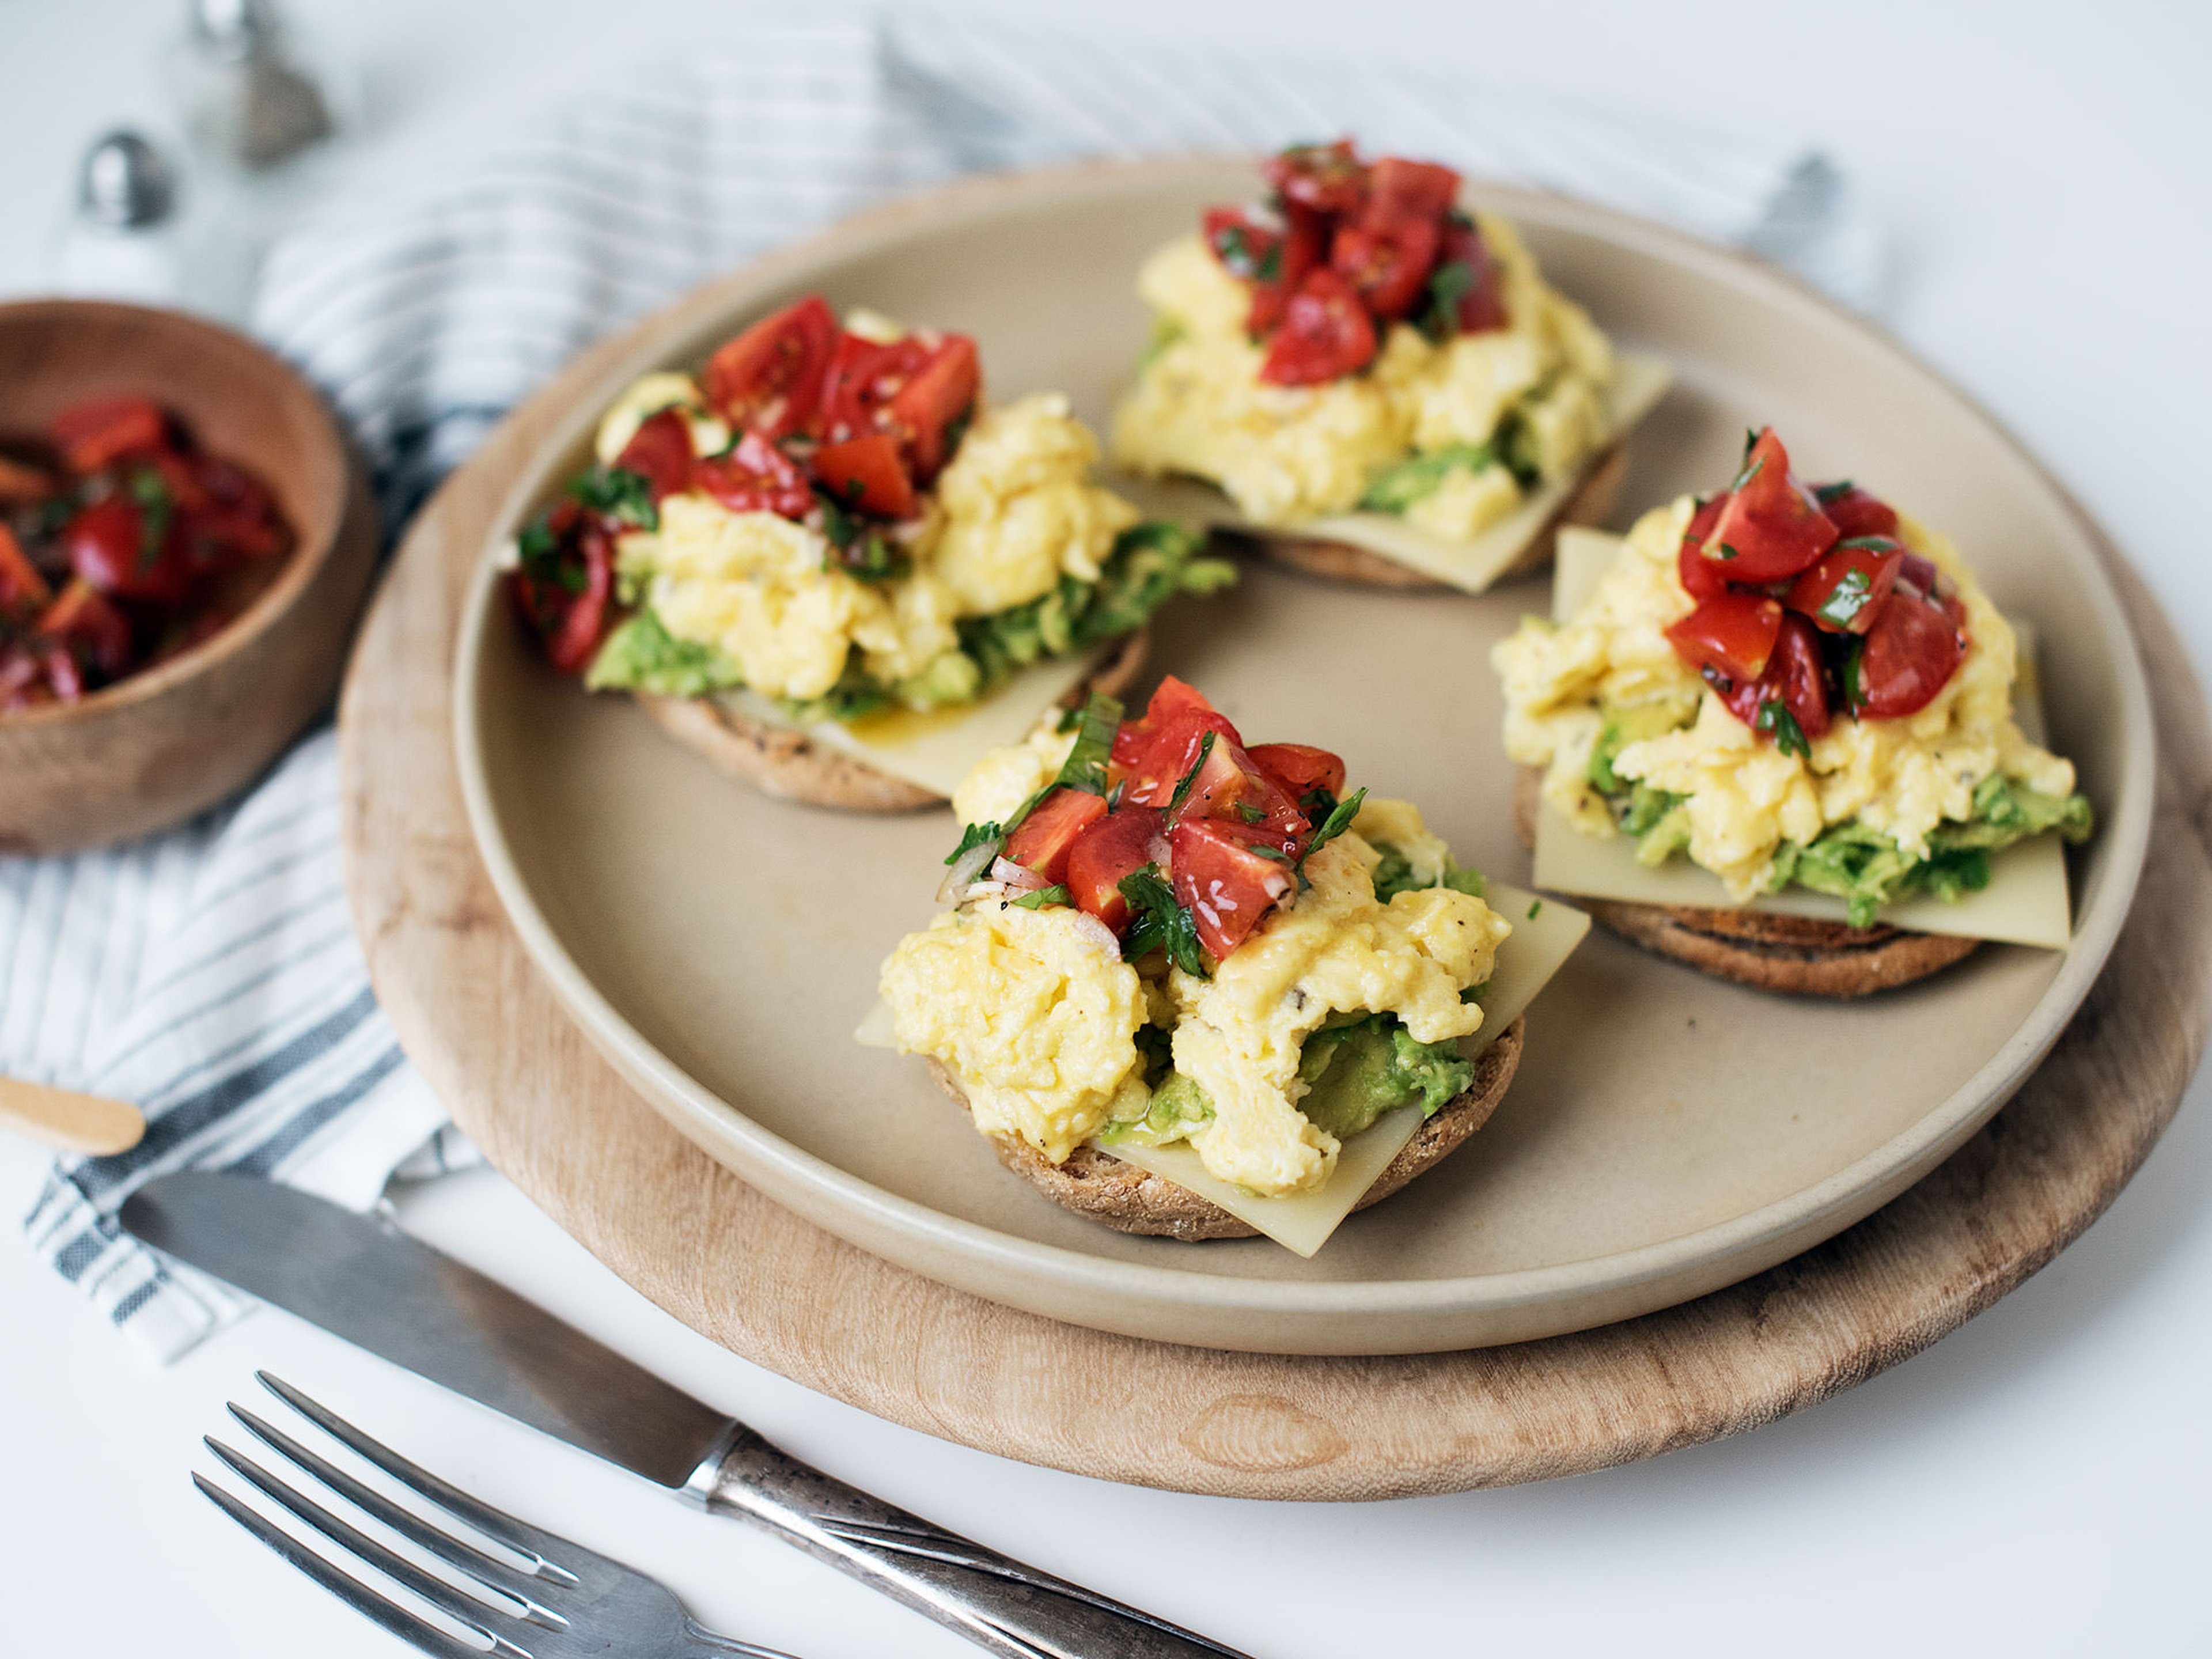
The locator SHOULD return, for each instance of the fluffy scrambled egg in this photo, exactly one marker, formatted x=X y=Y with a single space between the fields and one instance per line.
x=1012 y=512
x=1285 y=453
x=1745 y=797
x=1038 y=1020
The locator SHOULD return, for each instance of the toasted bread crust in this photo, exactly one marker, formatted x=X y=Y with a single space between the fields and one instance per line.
x=779 y=761
x=1100 y=1187
x=1591 y=504
x=1797 y=955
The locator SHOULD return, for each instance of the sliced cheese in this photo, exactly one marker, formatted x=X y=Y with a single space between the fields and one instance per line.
x=1638 y=383
x=1544 y=933
x=936 y=750
x=2026 y=902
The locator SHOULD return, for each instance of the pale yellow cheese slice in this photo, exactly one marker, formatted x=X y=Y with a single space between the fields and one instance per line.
x=2026 y=902
x=1544 y=933
x=1638 y=383
x=936 y=750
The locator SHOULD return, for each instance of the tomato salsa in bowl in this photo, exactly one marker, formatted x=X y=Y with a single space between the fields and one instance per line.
x=184 y=544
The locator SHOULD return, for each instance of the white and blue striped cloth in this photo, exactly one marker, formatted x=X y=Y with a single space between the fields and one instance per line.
x=212 y=974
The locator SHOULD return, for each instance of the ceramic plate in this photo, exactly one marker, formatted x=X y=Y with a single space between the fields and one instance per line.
x=1667 y=1134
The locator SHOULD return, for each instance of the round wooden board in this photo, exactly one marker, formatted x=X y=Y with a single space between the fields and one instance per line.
x=473 y=1012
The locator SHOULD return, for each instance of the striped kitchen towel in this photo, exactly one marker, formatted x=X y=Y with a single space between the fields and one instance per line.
x=211 y=974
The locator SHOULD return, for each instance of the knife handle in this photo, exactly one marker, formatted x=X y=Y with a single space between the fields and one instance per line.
x=993 y=1600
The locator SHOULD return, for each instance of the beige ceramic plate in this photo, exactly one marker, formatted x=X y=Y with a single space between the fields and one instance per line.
x=1667 y=1134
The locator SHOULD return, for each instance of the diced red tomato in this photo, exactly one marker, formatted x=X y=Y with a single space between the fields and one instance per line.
x=1299 y=768
x=1164 y=756
x=1771 y=527
x=1795 y=677
x=24 y=591
x=769 y=379
x=864 y=376
x=1481 y=308
x=1703 y=578
x=1135 y=741
x=1731 y=635
x=108 y=546
x=1845 y=592
x=1228 y=886
x=941 y=393
x=571 y=622
x=755 y=476
x=1328 y=178
x=1399 y=191
x=1855 y=513
x=1305 y=244
x=660 y=452
x=231 y=514
x=91 y=628
x=1249 y=248
x=91 y=435
x=1040 y=841
x=1914 y=647
x=1325 y=334
x=1109 y=849
x=1387 y=265
x=867 y=473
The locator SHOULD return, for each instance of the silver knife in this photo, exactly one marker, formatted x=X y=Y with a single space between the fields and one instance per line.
x=366 y=1281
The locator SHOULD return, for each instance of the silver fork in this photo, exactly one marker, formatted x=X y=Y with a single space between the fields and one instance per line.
x=566 y=1600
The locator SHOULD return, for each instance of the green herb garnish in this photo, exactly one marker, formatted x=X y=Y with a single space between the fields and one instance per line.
x=1448 y=283
x=616 y=492
x=974 y=837
x=1846 y=598
x=1084 y=769
x=1338 y=821
x=1158 y=923
x=1776 y=719
x=1190 y=778
x=1043 y=896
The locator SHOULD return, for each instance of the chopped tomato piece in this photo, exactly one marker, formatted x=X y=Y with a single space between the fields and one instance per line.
x=769 y=379
x=1845 y=592
x=230 y=513
x=1040 y=841
x=1305 y=244
x=91 y=435
x=1796 y=678
x=1249 y=248
x=1328 y=178
x=94 y=631
x=1299 y=768
x=1225 y=880
x=1771 y=527
x=1164 y=756
x=1399 y=190
x=864 y=376
x=1855 y=513
x=111 y=545
x=755 y=476
x=660 y=452
x=1480 y=307
x=1703 y=577
x=1109 y=849
x=1731 y=636
x=1326 y=333
x=941 y=394
x=1386 y=266
x=24 y=591
x=568 y=606
x=1913 y=650
x=867 y=473
x=1135 y=741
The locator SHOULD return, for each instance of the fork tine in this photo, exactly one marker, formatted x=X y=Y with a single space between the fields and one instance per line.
x=497 y=1523
x=435 y=1590
x=510 y=1580
x=349 y=1590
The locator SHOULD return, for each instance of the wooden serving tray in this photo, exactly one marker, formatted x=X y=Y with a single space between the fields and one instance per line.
x=524 y=1082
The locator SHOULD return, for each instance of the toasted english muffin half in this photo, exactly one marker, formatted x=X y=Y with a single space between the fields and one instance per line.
x=784 y=762
x=1797 y=956
x=1590 y=506
x=1100 y=1187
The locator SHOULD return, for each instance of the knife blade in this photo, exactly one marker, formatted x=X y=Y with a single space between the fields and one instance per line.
x=361 y=1278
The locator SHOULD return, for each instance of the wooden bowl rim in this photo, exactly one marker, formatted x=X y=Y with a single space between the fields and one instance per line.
x=314 y=545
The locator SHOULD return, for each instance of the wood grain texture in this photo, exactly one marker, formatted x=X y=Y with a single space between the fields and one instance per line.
x=490 y=1039
x=161 y=745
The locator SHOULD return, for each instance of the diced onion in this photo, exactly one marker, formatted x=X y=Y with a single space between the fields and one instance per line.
x=965 y=868
x=1098 y=934
x=1019 y=877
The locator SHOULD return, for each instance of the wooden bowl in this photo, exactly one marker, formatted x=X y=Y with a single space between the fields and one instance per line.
x=156 y=748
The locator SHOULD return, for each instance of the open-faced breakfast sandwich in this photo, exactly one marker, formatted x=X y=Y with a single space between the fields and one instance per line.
x=832 y=566
x=1190 y=986
x=1784 y=735
x=1377 y=385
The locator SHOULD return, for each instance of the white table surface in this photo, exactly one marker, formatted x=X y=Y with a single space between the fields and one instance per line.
x=2039 y=1483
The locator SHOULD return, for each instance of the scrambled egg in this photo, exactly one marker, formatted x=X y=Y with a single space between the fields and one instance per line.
x=1038 y=1021
x=1012 y=512
x=1901 y=777
x=1286 y=453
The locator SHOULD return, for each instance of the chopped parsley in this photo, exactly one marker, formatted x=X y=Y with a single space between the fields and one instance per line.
x=1448 y=283
x=1535 y=909
x=972 y=837
x=616 y=492
x=1776 y=719
x=1850 y=596
x=1084 y=769
x=1190 y=778
x=1157 y=922
x=1338 y=821
x=1055 y=894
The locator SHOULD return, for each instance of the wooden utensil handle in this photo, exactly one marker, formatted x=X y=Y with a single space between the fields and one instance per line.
x=72 y=1122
